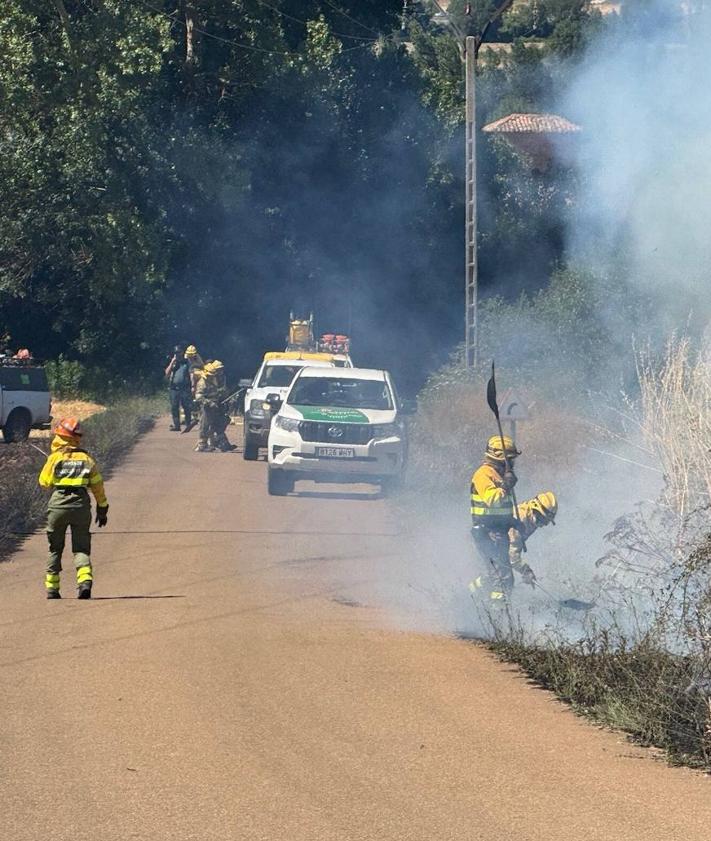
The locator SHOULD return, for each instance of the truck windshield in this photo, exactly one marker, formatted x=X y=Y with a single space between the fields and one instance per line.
x=348 y=393
x=278 y=376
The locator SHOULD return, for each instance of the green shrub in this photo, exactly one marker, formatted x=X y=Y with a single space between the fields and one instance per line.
x=66 y=377
x=570 y=338
x=71 y=379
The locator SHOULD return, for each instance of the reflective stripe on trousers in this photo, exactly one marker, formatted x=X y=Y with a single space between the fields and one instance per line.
x=493 y=550
x=79 y=521
x=51 y=581
x=480 y=584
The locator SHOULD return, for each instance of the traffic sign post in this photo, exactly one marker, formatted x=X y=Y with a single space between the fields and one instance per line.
x=513 y=409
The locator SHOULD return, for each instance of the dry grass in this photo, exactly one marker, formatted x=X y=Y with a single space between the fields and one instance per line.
x=453 y=423
x=80 y=409
x=676 y=404
x=661 y=546
x=637 y=687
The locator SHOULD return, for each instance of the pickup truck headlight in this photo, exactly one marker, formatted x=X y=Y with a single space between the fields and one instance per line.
x=256 y=408
x=287 y=424
x=386 y=430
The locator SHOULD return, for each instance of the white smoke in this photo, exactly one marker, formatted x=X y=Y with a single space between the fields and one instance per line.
x=643 y=215
x=641 y=96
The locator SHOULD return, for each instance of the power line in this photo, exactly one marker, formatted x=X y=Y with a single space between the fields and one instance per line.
x=251 y=47
x=206 y=34
x=304 y=23
x=351 y=19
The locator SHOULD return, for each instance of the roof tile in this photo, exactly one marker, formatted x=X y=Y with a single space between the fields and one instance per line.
x=532 y=124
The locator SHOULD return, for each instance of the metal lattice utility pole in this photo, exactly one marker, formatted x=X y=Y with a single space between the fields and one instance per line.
x=468 y=46
x=471 y=343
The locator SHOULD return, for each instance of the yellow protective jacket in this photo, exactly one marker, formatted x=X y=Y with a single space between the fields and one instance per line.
x=518 y=534
x=491 y=503
x=197 y=370
x=210 y=389
x=69 y=466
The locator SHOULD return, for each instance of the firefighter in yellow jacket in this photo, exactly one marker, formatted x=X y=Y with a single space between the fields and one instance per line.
x=197 y=366
x=71 y=473
x=532 y=515
x=210 y=396
x=493 y=515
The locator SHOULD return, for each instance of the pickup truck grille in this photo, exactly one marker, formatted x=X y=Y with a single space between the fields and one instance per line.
x=351 y=433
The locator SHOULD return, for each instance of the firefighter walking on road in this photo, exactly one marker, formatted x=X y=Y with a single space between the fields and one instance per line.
x=492 y=510
x=210 y=395
x=70 y=472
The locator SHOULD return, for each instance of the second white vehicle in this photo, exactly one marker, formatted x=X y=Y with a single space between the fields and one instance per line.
x=338 y=425
x=24 y=399
x=273 y=378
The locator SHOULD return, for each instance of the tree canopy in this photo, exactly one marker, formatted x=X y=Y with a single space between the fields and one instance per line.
x=192 y=171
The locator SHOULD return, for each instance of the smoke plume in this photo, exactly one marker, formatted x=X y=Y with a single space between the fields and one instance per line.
x=641 y=96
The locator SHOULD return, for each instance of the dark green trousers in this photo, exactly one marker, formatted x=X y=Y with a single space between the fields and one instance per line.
x=493 y=549
x=79 y=521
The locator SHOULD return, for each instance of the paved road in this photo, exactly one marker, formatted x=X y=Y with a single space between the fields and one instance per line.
x=226 y=686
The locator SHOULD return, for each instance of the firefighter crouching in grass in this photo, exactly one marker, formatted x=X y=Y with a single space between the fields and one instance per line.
x=532 y=515
x=71 y=473
x=492 y=510
x=210 y=395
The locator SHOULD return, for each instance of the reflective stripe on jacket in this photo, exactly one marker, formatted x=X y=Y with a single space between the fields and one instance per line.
x=68 y=466
x=491 y=503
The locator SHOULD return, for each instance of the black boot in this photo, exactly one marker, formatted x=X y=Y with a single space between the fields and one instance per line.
x=53 y=594
x=84 y=590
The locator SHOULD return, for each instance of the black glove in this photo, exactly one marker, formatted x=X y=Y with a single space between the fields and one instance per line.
x=102 y=515
x=528 y=575
x=509 y=480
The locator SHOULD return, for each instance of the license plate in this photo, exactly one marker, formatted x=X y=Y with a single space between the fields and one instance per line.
x=335 y=452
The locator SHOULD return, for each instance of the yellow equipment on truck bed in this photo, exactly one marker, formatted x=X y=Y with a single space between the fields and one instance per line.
x=339 y=360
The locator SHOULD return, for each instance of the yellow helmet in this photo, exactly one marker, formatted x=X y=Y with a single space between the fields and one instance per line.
x=493 y=448
x=214 y=367
x=191 y=350
x=545 y=504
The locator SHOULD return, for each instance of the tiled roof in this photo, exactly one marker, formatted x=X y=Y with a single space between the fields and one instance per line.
x=532 y=124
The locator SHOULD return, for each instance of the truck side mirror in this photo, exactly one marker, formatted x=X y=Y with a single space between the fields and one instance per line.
x=274 y=401
x=244 y=383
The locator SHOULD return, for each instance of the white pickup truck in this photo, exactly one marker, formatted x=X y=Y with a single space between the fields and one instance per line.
x=24 y=400
x=274 y=377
